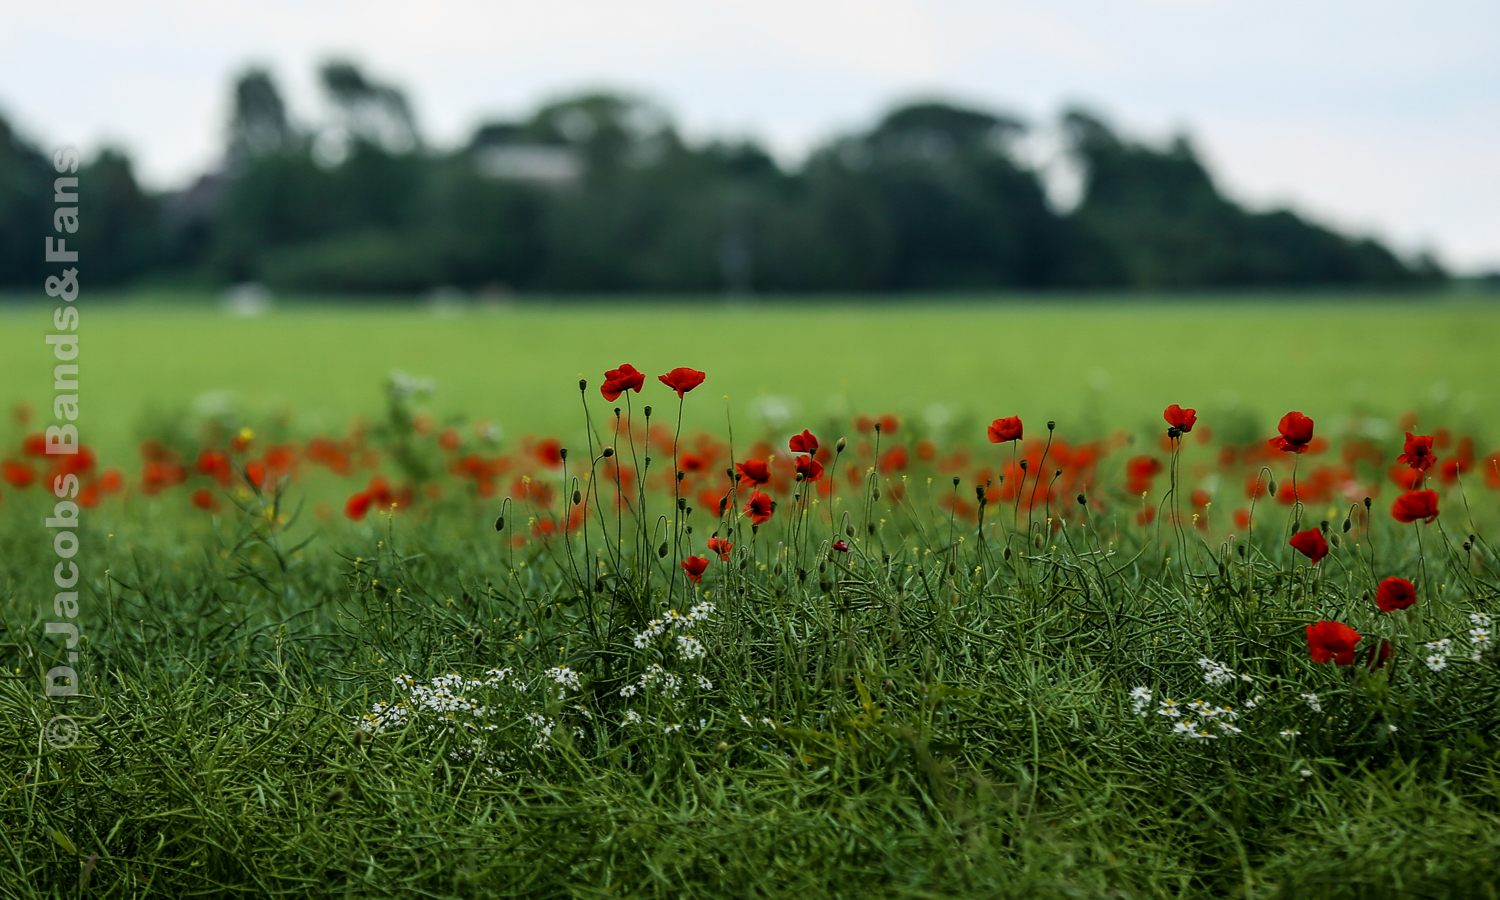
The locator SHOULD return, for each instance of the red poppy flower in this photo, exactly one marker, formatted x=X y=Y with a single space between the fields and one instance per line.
x=760 y=508
x=1378 y=656
x=1179 y=418
x=841 y=545
x=804 y=442
x=34 y=445
x=215 y=464
x=1417 y=452
x=549 y=452
x=1395 y=593
x=1006 y=429
x=1296 y=433
x=682 y=379
x=1414 y=505
x=808 y=469
x=357 y=506
x=895 y=460
x=618 y=381
x=755 y=471
x=1143 y=468
x=695 y=566
x=889 y=423
x=111 y=480
x=18 y=475
x=1332 y=642
x=720 y=546
x=204 y=499
x=1310 y=543
x=450 y=439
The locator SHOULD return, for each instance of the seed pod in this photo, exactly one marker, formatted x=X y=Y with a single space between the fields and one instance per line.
x=1023 y=465
x=681 y=475
x=955 y=481
x=662 y=550
x=648 y=412
x=563 y=452
x=582 y=385
x=577 y=498
x=1368 y=501
x=1323 y=526
x=877 y=427
x=1051 y=425
x=499 y=523
x=682 y=503
x=688 y=529
x=723 y=504
x=1082 y=500
x=608 y=452
x=1467 y=546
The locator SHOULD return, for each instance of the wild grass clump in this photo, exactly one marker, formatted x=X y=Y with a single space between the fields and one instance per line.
x=1068 y=678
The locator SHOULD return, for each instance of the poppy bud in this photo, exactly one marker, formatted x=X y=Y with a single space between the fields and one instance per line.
x=1367 y=502
x=617 y=412
x=877 y=427
x=1007 y=553
x=875 y=494
x=662 y=550
x=648 y=412
x=1051 y=425
x=562 y=452
x=577 y=498
x=1323 y=526
x=849 y=530
x=1082 y=500
x=582 y=385
x=500 y=523
x=723 y=502
x=682 y=503
x=688 y=529
x=681 y=475
x=870 y=528
x=1271 y=487
x=648 y=460
x=1347 y=524
x=839 y=447
x=779 y=569
x=955 y=481
x=1333 y=539
x=979 y=493
x=1467 y=545
x=608 y=452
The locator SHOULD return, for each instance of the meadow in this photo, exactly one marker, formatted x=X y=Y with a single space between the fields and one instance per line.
x=971 y=608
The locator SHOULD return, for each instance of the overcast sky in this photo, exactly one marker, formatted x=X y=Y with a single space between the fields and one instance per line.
x=1378 y=116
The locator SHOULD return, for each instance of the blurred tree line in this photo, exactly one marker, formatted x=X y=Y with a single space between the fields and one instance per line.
x=600 y=193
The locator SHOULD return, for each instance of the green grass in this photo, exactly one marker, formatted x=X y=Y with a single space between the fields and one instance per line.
x=1087 y=362
x=950 y=705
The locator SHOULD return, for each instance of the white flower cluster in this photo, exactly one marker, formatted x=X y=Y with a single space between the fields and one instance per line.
x=1437 y=660
x=450 y=697
x=1312 y=702
x=1140 y=701
x=668 y=683
x=1217 y=674
x=1480 y=634
x=673 y=620
x=566 y=679
x=1480 y=637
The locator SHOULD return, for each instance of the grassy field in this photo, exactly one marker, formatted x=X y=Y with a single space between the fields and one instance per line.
x=1087 y=362
x=1110 y=692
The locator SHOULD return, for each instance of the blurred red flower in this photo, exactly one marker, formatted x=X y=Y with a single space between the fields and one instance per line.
x=1179 y=418
x=1006 y=429
x=215 y=464
x=1414 y=505
x=203 y=498
x=357 y=506
x=841 y=545
x=1395 y=593
x=1332 y=642
x=720 y=546
x=1311 y=544
x=1377 y=656
x=549 y=452
x=895 y=460
x=804 y=442
x=450 y=439
x=760 y=508
x=34 y=445
x=889 y=423
x=618 y=381
x=808 y=469
x=1417 y=452
x=682 y=379
x=18 y=475
x=754 y=471
x=1296 y=433
x=695 y=566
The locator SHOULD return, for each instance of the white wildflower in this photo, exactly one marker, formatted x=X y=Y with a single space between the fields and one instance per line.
x=632 y=717
x=690 y=647
x=1312 y=702
x=1168 y=708
x=704 y=684
x=1215 y=673
x=1437 y=662
x=1290 y=733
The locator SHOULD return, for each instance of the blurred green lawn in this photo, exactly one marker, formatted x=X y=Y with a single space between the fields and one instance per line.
x=1087 y=362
